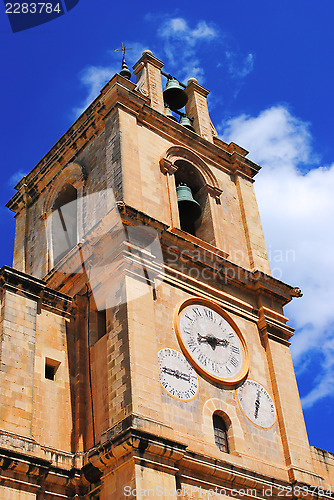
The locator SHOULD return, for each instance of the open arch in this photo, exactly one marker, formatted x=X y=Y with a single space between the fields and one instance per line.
x=182 y=153
x=189 y=170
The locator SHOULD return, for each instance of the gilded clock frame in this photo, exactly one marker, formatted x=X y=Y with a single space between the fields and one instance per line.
x=212 y=305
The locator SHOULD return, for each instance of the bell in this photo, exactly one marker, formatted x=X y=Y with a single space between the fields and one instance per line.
x=169 y=113
x=174 y=96
x=190 y=210
x=186 y=122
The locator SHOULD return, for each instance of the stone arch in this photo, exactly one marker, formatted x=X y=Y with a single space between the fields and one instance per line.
x=228 y=413
x=185 y=167
x=175 y=153
x=72 y=175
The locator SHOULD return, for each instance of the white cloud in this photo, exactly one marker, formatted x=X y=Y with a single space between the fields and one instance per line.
x=181 y=44
x=178 y=27
x=15 y=178
x=183 y=47
x=296 y=202
x=322 y=390
x=238 y=66
x=94 y=78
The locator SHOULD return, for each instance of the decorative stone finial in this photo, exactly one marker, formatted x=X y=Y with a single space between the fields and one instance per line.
x=125 y=72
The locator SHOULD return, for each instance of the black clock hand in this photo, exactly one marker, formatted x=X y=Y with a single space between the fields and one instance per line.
x=257 y=404
x=212 y=340
x=176 y=373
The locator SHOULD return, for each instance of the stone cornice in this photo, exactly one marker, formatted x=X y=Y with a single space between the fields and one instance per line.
x=128 y=441
x=225 y=271
x=36 y=289
x=243 y=166
x=33 y=471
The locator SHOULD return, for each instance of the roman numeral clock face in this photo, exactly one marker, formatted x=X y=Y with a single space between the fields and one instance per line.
x=211 y=341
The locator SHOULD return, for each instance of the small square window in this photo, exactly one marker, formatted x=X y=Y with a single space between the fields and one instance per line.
x=101 y=323
x=51 y=367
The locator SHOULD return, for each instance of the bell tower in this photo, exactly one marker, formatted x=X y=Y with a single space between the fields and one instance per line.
x=145 y=351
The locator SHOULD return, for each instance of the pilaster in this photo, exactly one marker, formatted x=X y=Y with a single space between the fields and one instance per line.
x=148 y=73
x=275 y=334
x=197 y=108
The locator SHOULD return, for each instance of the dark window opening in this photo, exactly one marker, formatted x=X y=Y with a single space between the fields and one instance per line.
x=101 y=323
x=51 y=367
x=220 y=431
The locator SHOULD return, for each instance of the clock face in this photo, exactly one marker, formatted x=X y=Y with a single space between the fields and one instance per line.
x=256 y=404
x=211 y=341
x=177 y=376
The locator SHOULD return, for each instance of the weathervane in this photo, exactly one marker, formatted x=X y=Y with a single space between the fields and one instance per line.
x=125 y=70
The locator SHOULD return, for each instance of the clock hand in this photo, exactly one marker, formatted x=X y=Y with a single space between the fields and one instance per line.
x=212 y=340
x=257 y=404
x=223 y=342
x=176 y=373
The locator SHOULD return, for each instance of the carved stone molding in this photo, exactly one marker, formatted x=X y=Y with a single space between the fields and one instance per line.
x=215 y=192
x=167 y=166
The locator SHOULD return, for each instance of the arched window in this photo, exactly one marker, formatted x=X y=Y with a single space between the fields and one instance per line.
x=220 y=432
x=64 y=222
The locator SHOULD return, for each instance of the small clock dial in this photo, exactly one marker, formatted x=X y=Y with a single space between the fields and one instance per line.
x=177 y=376
x=211 y=341
x=256 y=404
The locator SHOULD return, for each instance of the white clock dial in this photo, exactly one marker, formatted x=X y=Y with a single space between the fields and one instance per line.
x=177 y=376
x=256 y=404
x=211 y=341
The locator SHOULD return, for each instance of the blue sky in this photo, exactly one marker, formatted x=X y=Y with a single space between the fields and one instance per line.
x=269 y=68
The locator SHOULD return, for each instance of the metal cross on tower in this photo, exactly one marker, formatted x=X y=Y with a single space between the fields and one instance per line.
x=125 y=70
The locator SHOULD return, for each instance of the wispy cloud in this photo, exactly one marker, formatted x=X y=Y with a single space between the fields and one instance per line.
x=188 y=48
x=184 y=47
x=15 y=178
x=93 y=78
x=239 y=66
x=295 y=195
x=181 y=43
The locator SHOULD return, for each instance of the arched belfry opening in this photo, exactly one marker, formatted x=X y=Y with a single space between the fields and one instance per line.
x=193 y=203
x=64 y=222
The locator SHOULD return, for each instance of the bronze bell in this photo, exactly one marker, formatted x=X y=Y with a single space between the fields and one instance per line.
x=189 y=208
x=169 y=113
x=186 y=122
x=174 y=95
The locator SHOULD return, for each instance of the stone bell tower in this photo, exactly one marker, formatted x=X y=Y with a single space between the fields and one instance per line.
x=144 y=348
